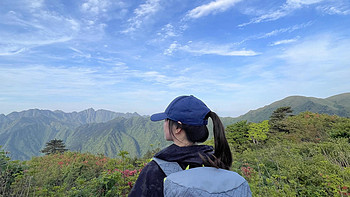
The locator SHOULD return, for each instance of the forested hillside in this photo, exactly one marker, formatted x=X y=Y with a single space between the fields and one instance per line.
x=25 y=133
x=135 y=135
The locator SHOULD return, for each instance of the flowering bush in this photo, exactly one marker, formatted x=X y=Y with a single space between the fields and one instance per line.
x=77 y=174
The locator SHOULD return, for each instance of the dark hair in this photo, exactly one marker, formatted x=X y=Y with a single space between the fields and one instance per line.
x=222 y=157
x=222 y=153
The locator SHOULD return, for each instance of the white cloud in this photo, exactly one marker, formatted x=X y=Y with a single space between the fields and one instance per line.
x=142 y=13
x=7 y=51
x=153 y=76
x=167 y=31
x=323 y=57
x=275 y=32
x=40 y=80
x=150 y=7
x=171 y=49
x=267 y=17
x=79 y=53
x=95 y=7
x=299 y=3
x=34 y=4
x=212 y=7
x=282 y=11
x=210 y=49
x=228 y=86
x=284 y=30
x=335 y=10
x=284 y=41
x=34 y=29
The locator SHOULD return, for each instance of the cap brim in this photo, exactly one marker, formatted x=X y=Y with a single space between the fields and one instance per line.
x=159 y=116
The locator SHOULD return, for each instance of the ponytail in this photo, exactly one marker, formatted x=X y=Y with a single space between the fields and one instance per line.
x=222 y=154
x=222 y=157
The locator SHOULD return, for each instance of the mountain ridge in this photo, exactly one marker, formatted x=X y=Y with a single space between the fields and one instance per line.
x=25 y=133
x=334 y=105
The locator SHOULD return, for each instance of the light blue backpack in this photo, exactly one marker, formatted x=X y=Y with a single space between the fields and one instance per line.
x=201 y=181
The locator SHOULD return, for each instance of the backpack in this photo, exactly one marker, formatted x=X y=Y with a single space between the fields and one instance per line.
x=201 y=181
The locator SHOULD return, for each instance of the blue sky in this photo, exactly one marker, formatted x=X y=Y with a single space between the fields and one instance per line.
x=136 y=56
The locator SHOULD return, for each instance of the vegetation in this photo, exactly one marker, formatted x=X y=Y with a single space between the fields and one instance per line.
x=71 y=174
x=54 y=146
x=277 y=118
x=310 y=157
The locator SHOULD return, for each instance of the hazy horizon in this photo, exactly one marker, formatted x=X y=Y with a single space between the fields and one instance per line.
x=148 y=114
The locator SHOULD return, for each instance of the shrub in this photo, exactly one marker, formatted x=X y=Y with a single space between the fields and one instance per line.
x=306 y=169
x=77 y=174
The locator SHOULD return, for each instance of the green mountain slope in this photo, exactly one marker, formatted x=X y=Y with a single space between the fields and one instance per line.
x=134 y=135
x=335 y=105
x=25 y=133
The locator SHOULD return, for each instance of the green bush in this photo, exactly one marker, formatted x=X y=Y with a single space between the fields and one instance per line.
x=77 y=174
x=306 y=169
x=9 y=170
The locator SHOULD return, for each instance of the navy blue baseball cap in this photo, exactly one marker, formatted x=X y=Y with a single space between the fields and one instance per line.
x=186 y=109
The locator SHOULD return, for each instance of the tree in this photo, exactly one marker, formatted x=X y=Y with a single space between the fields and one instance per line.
x=54 y=146
x=237 y=135
x=277 y=117
x=258 y=131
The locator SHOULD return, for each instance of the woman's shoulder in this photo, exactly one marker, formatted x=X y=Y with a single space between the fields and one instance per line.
x=149 y=182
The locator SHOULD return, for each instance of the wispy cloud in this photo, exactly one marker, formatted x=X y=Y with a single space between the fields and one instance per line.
x=142 y=13
x=171 y=49
x=209 y=49
x=7 y=51
x=284 y=41
x=36 y=4
x=325 y=50
x=211 y=8
x=167 y=31
x=95 y=7
x=285 y=30
x=34 y=28
x=282 y=11
x=335 y=9
x=275 y=32
x=28 y=81
x=79 y=53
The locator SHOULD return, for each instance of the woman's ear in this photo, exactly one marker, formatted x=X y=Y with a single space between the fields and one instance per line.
x=178 y=129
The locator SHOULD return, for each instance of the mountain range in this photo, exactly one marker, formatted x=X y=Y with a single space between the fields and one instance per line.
x=25 y=133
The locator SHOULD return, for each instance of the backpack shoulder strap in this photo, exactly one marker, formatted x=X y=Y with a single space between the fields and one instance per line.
x=168 y=167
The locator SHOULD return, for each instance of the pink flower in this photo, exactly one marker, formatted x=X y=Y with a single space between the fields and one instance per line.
x=130 y=184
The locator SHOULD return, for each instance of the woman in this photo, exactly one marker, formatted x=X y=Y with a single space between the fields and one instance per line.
x=185 y=123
